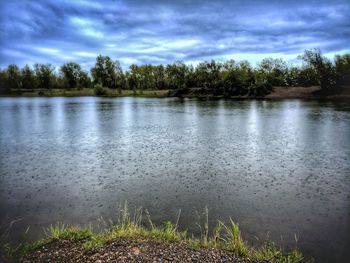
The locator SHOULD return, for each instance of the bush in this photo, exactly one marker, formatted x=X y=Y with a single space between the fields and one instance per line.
x=259 y=89
x=100 y=91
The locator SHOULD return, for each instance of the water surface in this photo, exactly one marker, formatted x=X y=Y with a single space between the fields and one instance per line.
x=277 y=167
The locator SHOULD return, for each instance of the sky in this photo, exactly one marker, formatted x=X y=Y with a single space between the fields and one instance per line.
x=161 y=32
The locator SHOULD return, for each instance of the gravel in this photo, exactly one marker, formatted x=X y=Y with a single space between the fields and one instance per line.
x=128 y=250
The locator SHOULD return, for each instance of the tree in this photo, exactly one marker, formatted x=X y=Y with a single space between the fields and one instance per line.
x=293 y=76
x=260 y=87
x=307 y=76
x=58 y=82
x=159 y=77
x=231 y=83
x=275 y=71
x=148 y=80
x=45 y=75
x=120 y=82
x=28 y=78
x=104 y=72
x=208 y=76
x=190 y=77
x=246 y=76
x=236 y=78
x=175 y=75
x=71 y=72
x=4 y=88
x=84 y=80
x=325 y=70
x=342 y=67
x=13 y=77
x=134 y=78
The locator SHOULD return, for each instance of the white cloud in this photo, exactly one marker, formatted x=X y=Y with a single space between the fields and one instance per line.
x=87 y=27
x=85 y=54
x=47 y=50
x=162 y=32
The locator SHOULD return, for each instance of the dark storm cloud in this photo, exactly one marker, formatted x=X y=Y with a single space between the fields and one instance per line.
x=163 y=31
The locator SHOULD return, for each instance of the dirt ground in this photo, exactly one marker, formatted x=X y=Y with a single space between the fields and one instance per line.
x=307 y=93
x=128 y=250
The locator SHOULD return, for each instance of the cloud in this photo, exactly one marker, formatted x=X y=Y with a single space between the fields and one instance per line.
x=150 y=31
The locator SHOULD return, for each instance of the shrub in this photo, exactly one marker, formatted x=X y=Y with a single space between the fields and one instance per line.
x=100 y=91
x=259 y=89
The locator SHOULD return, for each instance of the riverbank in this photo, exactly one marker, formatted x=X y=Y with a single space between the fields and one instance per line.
x=314 y=92
x=278 y=93
x=129 y=250
x=129 y=241
x=88 y=92
x=132 y=243
x=293 y=93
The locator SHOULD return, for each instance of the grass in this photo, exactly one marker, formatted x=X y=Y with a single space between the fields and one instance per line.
x=88 y=92
x=225 y=237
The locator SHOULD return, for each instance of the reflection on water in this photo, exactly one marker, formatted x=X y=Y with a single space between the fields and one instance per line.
x=277 y=167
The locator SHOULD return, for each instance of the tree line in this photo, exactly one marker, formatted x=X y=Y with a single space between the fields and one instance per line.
x=228 y=78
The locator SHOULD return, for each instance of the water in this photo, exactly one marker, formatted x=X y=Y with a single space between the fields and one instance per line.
x=277 y=167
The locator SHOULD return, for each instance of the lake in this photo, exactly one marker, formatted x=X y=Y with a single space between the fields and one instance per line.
x=280 y=168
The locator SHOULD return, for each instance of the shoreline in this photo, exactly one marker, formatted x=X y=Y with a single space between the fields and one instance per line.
x=278 y=93
x=129 y=241
x=135 y=238
x=130 y=250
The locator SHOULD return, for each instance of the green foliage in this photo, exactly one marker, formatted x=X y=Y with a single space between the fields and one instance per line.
x=259 y=89
x=159 y=77
x=323 y=67
x=233 y=239
x=71 y=74
x=13 y=77
x=100 y=90
x=10 y=253
x=61 y=231
x=342 y=66
x=225 y=236
x=120 y=82
x=28 y=78
x=106 y=71
x=4 y=88
x=84 y=80
x=237 y=78
x=175 y=75
x=208 y=78
x=275 y=71
x=44 y=75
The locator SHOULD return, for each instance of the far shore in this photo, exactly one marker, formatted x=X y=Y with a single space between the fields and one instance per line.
x=277 y=93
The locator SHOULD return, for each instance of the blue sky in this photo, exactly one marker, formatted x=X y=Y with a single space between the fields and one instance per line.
x=160 y=32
